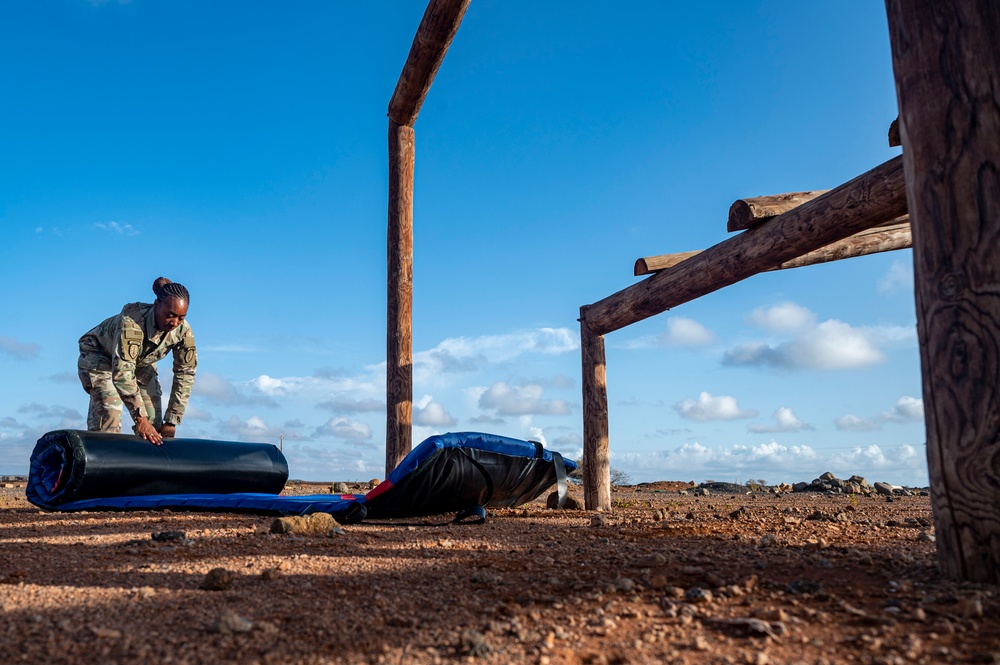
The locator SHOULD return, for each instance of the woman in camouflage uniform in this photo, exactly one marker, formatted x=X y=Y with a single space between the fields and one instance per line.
x=118 y=358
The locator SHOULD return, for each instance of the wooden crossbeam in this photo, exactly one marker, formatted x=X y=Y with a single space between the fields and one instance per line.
x=747 y=213
x=879 y=239
x=437 y=28
x=870 y=199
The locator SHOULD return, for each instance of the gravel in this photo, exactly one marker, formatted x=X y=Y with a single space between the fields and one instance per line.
x=663 y=577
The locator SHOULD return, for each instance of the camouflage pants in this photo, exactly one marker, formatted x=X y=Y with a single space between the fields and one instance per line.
x=105 y=411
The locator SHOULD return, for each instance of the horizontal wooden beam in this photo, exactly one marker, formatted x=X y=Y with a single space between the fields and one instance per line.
x=870 y=199
x=650 y=264
x=437 y=29
x=871 y=241
x=747 y=213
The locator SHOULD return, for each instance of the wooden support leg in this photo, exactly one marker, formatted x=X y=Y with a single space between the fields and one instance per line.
x=399 y=322
x=947 y=68
x=596 y=451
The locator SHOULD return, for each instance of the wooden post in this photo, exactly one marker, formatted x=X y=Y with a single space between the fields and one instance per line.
x=434 y=34
x=947 y=68
x=399 y=303
x=596 y=447
x=870 y=199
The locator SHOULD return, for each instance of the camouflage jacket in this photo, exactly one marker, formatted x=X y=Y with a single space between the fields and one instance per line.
x=129 y=345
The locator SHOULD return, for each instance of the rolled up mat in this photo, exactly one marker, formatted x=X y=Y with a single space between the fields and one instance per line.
x=71 y=465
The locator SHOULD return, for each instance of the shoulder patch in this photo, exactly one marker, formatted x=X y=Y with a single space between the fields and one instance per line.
x=131 y=344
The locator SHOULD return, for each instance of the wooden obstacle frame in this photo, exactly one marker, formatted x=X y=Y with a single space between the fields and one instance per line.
x=942 y=197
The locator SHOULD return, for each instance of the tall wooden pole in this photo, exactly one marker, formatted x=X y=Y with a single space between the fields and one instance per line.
x=399 y=302
x=434 y=35
x=596 y=449
x=947 y=65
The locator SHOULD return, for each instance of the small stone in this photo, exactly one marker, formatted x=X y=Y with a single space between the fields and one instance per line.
x=146 y=592
x=767 y=540
x=373 y=483
x=624 y=584
x=166 y=536
x=696 y=594
x=651 y=561
x=598 y=520
x=231 y=622
x=218 y=579
x=314 y=524
x=569 y=503
x=971 y=608
x=803 y=586
x=106 y=633
x=884 y=489
x=270 y=574
x=700 y=643
x=926 y=537
x=340 y=488
x=473 y=643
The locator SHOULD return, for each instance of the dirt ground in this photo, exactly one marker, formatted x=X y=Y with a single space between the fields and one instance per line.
x=665 y=577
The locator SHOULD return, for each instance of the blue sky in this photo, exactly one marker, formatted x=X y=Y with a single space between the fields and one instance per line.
x=240 y=149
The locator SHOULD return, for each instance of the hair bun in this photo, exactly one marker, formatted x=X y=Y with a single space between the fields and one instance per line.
x=158 y=285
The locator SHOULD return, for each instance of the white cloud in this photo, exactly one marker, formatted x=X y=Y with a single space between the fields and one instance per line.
x=509 y=400
x=311 y=461
x=898 y=278
x=18 y=350
x=49 y=412
x=348 y=405
x=429 y=413
x=832 y=344
x=902 y=464
x=485 y=419
x=906 y=409
x=680 y=332
x=194 y=413
x=774 y=462
x=852 y=423
x=252 y=429
x=709 y=407
x=342 y=428
x=720 y=463
x=115 y=227
x=567 y=441
x=785 y=421
x=783 y=317
x=900 y=336
x=463 y=354
x=221 y=391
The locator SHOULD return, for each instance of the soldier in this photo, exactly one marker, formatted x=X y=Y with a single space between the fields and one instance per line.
x=118 y=364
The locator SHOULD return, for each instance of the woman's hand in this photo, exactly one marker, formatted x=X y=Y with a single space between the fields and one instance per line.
x=145 y=429
x=168 y=431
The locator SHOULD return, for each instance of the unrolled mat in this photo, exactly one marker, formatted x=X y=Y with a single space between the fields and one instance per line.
x=463 y=472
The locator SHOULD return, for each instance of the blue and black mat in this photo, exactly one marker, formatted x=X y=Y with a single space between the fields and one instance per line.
x=461 y=473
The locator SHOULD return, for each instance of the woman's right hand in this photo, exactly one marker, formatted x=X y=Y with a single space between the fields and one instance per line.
x=145 y=429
